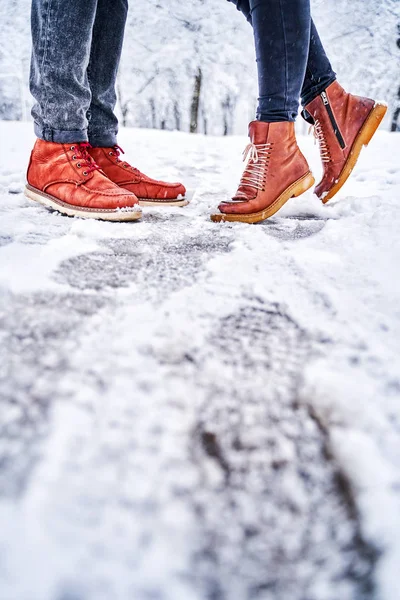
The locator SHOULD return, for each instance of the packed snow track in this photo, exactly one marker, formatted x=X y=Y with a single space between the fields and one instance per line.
x=200 y=411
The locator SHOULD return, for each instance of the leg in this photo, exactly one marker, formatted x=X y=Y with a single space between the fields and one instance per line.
x=319 y=73
x=108 y=35
x=61 y=173
x=276 y=169
x=343 y=123
x=61 y=40
x=282 y=39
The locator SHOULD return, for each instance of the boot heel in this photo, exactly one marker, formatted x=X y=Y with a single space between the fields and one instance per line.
x=304 y=184
x=374 y=120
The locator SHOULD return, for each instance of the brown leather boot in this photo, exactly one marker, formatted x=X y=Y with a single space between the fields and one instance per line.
x=276 y=171
x=343 y=124
x=65 y=177
x=150 y=192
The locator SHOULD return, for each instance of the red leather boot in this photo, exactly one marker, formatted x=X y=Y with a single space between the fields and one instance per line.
x=343 y=124
x=150 y=192
x=66 y=178
x=276 y=171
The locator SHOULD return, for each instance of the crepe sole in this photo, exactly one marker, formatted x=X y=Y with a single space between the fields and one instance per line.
x=295 y=189
x=363 y=138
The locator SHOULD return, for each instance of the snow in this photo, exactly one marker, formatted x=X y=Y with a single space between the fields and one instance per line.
x=194 y=410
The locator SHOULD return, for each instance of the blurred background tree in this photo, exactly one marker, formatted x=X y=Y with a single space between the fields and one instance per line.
x=190 y=65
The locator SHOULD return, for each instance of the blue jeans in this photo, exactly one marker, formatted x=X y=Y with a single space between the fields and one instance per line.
x=291 y=60
x=76 y=47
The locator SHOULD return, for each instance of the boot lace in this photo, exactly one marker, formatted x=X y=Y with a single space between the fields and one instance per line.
x=82 y=155
x=319 y=136
x=256 y=169
x=117 y=151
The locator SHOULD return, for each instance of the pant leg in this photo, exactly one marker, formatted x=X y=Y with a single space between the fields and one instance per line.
x=108 y=35
x=282 y=38
x=61 y=42
x=319 y=73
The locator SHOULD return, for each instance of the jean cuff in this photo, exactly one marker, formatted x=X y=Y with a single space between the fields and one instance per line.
x=276 y=117
x=60 y=136
x=317 y=90
x=102 y=139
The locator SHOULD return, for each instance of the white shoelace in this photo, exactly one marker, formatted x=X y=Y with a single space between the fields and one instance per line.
x=258 y=155
x=319 y=136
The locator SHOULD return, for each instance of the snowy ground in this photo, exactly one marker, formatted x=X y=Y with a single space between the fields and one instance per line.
x=193 y=411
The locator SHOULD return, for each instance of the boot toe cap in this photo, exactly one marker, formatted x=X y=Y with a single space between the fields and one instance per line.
x=161 y=191
x=235 y=208
x=170 y=191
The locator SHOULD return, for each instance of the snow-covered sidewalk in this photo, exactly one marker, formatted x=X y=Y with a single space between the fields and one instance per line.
x=193 y=411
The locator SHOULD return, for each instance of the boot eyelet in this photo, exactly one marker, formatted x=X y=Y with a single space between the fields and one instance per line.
x=79 y=165
x=72 y=148
x=74 y=157
x=111 y=154
x=85 y=173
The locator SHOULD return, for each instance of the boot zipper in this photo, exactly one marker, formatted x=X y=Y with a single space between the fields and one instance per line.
x=336 y=129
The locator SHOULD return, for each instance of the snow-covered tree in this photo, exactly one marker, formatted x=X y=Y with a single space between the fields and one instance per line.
x=192 y=69
x=190 y=65
x=14 y=59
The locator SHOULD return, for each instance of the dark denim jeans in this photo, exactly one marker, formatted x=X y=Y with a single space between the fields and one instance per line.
x=291 y=60
x=75 y=57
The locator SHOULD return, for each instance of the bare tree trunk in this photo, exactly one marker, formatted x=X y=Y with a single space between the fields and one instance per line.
x=177 y=116
x=125 y=113
x=124 y=106
x=227 y=107
x=194 y=108
x=205 y=123
x=225 y=125
x=396 y=115
x=153 y=113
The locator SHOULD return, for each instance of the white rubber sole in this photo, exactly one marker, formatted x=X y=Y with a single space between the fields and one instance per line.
x=157 y=202
x=119 y=214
